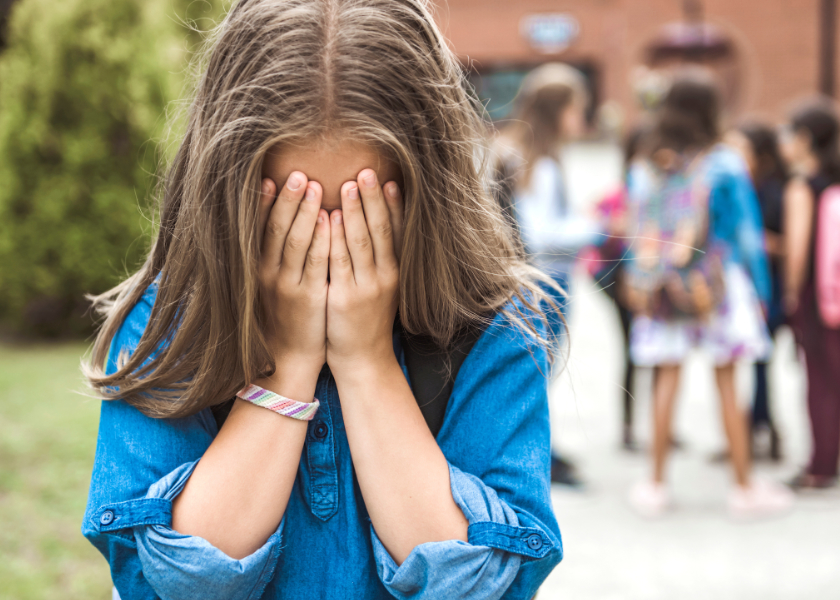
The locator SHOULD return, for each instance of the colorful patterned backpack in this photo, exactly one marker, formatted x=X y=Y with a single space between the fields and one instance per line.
x=676 y=271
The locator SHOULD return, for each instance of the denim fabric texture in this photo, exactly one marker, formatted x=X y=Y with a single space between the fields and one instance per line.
x=495 y=437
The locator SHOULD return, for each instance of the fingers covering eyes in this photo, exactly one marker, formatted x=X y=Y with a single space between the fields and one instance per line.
x=341 y=268
x=356 y=231
x=378 y=219
x=267 y=192
x=280 y=218
x=317 y=260
x=394 y=200
x=299 y=238
x=305 y=243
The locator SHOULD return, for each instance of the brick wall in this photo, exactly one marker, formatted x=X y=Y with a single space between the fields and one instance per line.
x=777 y=41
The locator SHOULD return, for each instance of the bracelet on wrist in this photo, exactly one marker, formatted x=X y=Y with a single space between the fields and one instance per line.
x=303 y=411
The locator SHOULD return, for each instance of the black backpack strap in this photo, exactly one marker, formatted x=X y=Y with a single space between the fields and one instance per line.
x=221 y=412
x=432 y=372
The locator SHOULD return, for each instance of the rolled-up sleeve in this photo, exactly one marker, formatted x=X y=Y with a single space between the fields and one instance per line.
x=141 y=466
x=482 y=567
x=167 y=563
x=496 y=439
x=173 y=562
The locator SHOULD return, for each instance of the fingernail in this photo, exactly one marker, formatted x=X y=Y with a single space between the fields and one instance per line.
x=310 y=194
x=295 y=181
x=353 y=193
x=370 y=180
x=338 y=218
x=320 y=218
x=392 y=190
x=266 y=186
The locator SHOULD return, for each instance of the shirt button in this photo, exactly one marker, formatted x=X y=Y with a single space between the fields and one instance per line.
x=534 y=541
x=320 y=430
x=107 y=517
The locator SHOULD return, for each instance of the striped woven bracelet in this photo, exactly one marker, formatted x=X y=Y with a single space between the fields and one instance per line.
x=303 y=411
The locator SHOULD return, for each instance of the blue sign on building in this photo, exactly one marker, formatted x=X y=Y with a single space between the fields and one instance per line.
x=549 y=33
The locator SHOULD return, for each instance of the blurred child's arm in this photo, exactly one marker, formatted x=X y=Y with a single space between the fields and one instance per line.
x=799 y=217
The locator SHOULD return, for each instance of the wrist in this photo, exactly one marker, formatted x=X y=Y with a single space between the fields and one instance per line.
x=294 y=377
x=362 y=366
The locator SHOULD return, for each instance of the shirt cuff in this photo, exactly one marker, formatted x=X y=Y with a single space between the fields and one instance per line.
x=481 y=568
x=174 y=563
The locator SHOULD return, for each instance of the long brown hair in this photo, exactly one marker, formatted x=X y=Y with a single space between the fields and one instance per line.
x=689 y=116
x=375 y=71
x=535 y=128
x=819 y=119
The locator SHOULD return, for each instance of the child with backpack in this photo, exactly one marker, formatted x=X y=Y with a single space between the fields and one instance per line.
x=697 y=274
x=263 y=432
x=812 y=276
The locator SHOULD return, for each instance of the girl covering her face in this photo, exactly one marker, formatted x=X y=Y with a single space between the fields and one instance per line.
x=330 y=179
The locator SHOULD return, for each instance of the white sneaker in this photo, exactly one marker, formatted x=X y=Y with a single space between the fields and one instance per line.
x=649 y=499
x=760 y=500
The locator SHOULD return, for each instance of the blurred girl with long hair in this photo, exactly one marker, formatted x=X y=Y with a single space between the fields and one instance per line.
x=549 y=112
x=327 y=204
x=811 y=147
x=698 y=272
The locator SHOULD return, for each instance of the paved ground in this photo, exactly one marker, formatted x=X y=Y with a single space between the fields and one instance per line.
x=695 y=552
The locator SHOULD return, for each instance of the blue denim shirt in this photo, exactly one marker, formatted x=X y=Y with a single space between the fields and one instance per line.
x=495 y=437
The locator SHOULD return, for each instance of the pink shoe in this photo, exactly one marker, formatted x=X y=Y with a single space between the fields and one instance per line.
x=760 y=500
x=649 y=499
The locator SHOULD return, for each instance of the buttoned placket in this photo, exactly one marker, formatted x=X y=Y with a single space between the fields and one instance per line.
x=321 y=451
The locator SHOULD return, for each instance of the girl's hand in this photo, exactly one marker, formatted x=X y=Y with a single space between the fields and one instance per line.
x=364 y=273
x=294 y=259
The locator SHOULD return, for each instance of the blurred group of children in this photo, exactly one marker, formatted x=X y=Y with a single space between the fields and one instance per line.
x=713 y=241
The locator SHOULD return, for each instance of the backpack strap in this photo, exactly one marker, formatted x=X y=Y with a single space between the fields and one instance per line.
x=221 y=412
x=432 y=371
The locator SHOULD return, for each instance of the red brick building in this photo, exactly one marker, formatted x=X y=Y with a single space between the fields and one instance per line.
x=778 y=50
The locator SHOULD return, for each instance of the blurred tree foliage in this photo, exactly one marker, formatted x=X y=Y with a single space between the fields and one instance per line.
x=84 y=90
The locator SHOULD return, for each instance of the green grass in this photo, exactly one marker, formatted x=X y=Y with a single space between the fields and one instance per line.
x=47 y=442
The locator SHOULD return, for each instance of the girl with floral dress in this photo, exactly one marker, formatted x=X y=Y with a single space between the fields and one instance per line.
x=698 y=279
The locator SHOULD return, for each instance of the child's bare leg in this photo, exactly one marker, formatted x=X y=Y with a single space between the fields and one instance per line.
x=666 y=379
x=735 y=423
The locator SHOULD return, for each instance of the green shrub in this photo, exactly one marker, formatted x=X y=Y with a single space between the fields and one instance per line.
x=84 y=86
